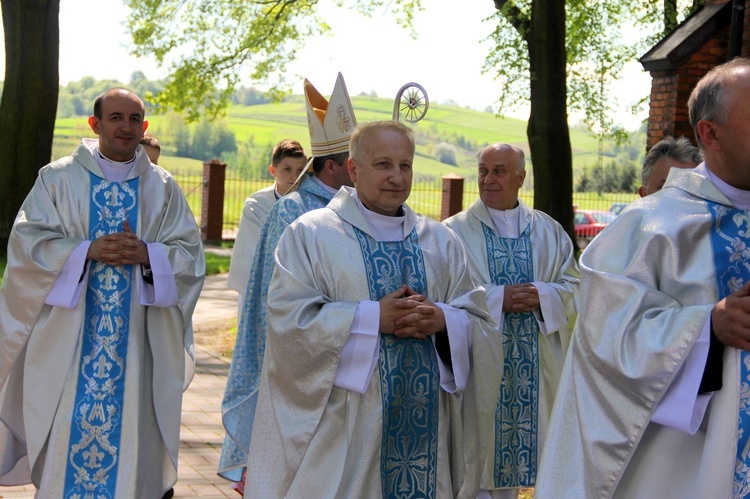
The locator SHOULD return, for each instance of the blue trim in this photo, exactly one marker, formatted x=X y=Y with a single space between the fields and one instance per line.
x=510 y=261
x=730 y=239
x=97 y=414
x=409 y=377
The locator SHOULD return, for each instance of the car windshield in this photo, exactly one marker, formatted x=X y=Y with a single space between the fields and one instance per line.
x=603 y=217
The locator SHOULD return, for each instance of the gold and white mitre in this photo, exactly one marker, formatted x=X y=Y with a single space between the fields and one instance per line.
x=331 y=122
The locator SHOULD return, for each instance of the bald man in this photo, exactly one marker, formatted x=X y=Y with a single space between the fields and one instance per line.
x=105 y=265
x=525 y=261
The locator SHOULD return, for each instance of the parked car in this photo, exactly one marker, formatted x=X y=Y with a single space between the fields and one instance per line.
x=589 y=223
x=616 y=208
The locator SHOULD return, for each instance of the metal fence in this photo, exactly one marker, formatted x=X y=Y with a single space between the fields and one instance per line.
x=425 y=198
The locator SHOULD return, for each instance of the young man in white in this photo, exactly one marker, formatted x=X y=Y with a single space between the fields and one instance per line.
x=287 y=162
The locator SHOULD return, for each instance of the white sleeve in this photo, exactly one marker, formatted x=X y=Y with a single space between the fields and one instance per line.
x=458 y=326
x=495 y=300
x=682 y=408
x=359 y=355
x=163 y=292
x=69 y=285
x=553 y=316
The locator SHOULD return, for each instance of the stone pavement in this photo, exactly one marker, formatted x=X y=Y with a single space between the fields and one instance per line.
x=202 y=433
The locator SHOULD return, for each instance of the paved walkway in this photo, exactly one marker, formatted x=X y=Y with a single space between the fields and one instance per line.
x=202 y=433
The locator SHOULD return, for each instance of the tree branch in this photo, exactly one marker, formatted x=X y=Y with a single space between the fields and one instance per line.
x=515 y=16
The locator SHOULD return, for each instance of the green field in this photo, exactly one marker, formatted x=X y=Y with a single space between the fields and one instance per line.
x=467 y=129
x=263 y=125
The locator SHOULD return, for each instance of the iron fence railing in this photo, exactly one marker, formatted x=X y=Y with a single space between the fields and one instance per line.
x=425 y=198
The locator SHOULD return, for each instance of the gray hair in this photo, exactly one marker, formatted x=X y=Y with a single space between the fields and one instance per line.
x=677 y=149
x=355 y=142
x=709 y=99
x=520 y=155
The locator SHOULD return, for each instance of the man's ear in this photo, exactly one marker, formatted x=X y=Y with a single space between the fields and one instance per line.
x=642 y=191
x=521 y=177
x=145 y=125
x=272 y=170
x=94 y=124
x=707 y=131
x=351 y=165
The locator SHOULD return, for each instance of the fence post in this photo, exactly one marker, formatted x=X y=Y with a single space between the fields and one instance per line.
x=212 y=205
x=453 y=195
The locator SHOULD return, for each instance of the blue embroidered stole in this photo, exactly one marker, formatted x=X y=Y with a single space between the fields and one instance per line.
x=409 y=378
x=730 y=239
x=97 y=424
x=516 y=418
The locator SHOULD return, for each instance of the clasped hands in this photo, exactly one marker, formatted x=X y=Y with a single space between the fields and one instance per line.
x=405 y=313
x=520 y=298
x=120 y=248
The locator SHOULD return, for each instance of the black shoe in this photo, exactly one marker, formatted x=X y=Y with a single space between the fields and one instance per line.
x=168 y=494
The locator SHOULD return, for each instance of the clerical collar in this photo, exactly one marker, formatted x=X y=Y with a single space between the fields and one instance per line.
x=383 y=227
x=114 y=171
x=740 y=199
x=507 y=222
x=325 y=186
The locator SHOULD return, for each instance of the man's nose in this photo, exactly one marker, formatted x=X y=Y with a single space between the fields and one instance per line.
x=397 y=176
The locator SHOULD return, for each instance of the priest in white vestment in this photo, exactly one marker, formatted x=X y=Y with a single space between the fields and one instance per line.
x=105 y=265
x=653 y=400
x=367 y=388
x=526 y=262
x=287 y=162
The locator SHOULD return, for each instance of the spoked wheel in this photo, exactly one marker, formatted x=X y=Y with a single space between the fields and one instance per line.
x=412 y=101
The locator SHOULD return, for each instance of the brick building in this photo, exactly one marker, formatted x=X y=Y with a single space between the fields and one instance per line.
x=704 y=40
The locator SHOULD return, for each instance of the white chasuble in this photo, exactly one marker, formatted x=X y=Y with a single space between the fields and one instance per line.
x=517 y=367
x=93 y=393
x=649 y=284
x=402 y=437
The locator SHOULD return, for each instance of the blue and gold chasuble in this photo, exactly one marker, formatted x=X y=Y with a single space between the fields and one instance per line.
x=516 y=418
x=409 y=377
x=730 y=238
x=97 y=425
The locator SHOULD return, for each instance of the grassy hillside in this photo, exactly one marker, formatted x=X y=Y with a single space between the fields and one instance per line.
x=265 y=124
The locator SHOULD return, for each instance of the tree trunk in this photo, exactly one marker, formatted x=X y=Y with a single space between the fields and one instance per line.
x=548 y=133
x=29 y=100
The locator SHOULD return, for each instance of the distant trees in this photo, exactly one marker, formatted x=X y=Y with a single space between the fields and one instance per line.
x=249 y=96
x=225 y=36
x=613 y=177
x=446 y=153
x=77 y=97
x=251 y=160
x=204 y=140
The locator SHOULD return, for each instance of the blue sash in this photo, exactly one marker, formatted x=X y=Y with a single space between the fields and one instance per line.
x=516 y=418
x=97 y=424
x=730 y=238
x=409 y=378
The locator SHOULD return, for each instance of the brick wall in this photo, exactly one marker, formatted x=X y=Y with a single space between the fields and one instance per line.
x=670 y=90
